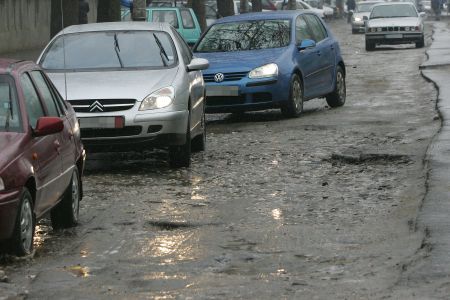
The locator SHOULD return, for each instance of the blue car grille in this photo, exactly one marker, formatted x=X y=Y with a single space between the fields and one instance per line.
x=226 y=76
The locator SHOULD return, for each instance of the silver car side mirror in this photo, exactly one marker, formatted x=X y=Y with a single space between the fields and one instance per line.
x=198 y=64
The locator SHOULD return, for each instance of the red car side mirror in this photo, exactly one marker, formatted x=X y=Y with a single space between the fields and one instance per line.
x=48 y=125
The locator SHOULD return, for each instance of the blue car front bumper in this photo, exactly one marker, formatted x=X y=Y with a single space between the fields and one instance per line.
x=245 y=94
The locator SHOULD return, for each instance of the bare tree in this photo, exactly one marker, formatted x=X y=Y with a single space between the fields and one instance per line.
x=243 y=6
x=225 y=7
x=108 y=10
x=199 y=8
x=63 y=9
x=256 y=5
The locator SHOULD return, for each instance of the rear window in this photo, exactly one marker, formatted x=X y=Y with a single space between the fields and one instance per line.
x=110 y=50
x=165 y=16
x=9 y=109
x=248 y=35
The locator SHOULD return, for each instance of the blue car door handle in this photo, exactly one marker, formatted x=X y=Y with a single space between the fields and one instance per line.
x=318 y=52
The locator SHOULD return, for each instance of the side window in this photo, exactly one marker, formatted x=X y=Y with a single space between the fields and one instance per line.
x=41 y=84
x=32 y=102
x=165 y=16
x=302 y=31
x=317 y=28
x=186 y=18
x=185 y=50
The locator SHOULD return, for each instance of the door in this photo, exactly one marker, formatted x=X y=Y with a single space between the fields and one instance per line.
x=307 y=59
x=191 y=28
x=54 y=108
x=326 y=56
x=45 y=151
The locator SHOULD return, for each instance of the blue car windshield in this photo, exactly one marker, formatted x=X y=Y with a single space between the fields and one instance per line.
x=9 y=110
x=247 y=35
x=110 y=50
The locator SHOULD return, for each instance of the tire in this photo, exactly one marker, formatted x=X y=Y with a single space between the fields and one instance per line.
x=65 y=213
x=294 y=107
x=421 y=43
x=370 y=46
x=180 y=155
x=198 y=143
x=338 y=96
x=22 y=239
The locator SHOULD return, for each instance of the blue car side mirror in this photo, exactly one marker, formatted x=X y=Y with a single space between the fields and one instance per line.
x=305 y=44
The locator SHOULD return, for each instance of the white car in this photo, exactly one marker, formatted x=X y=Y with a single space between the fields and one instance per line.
x=301 y=5
x=394 y=23
x=133 y=85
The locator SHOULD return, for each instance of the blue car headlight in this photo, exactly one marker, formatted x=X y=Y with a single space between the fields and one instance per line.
x=159 y=99
x=269 y=70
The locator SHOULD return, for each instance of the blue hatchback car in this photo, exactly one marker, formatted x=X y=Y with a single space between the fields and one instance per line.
x=271 y=60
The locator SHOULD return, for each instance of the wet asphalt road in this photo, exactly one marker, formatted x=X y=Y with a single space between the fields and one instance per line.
x=319 y=207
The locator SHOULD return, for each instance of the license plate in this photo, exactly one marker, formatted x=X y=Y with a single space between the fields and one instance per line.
x=222 y=91
x=102 y=122
x=394 y=36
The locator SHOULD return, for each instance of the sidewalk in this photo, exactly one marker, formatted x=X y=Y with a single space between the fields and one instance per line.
x=429 y=275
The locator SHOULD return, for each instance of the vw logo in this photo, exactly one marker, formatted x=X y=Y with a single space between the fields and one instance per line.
x=96 y=106
x=219 y=77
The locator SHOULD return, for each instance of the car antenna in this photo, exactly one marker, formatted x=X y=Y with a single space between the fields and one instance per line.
x=64 y=49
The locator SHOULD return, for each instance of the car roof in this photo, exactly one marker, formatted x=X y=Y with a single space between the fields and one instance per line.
x=267 y=15
x=7 y=65
x=394 y=3
x=114 y=26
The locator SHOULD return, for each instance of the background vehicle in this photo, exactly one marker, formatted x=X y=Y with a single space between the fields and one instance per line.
x=134 y=86
x=182 y=19
x=271 y=60
x=394 y=23
x=362 y=10
x=301 y=5
x=41 y=157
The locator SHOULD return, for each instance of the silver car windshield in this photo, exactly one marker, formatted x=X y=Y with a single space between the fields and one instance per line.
x=393 y=11
x=248 y=35
x=110 y=50
x=9 y=110
x=364 y=7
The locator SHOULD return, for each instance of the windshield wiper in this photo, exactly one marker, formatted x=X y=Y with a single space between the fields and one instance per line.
x=117 y=49
x=162 y=52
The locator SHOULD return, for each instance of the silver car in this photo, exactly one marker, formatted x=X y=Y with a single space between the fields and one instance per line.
x=362 y=10
x=133 y=85
x=394 y=23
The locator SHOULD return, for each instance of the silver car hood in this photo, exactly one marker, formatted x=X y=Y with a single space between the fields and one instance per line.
x=361 y=14
x=133 y=84
x=383 y=22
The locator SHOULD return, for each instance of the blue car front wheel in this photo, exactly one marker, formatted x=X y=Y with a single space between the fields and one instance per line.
x=294 y=107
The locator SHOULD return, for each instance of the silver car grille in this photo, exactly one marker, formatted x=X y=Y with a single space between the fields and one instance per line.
x=102 y=105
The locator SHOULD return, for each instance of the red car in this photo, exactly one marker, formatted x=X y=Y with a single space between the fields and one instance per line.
x=41 y=156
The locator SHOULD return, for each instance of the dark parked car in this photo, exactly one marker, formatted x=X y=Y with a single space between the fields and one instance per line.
x=41 y=156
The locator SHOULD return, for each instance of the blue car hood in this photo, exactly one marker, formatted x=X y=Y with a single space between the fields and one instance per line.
x=240 y=61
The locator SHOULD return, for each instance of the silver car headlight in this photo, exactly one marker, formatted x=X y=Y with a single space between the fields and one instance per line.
x=269 y=70
x=159 y=99
x=357 y=19
x=2 y=185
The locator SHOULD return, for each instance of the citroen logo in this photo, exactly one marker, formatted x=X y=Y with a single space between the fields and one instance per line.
x=96 y=106
x=219 y=77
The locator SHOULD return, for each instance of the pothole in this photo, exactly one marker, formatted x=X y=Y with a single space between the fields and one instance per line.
x=172 y=225
x=372 y=158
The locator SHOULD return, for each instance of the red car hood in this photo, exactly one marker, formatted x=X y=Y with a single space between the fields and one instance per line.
x=11 y=146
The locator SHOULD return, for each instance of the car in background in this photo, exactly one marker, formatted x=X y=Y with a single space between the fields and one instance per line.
x=41 y=158
x=182 y=19
x=300 y=5
x=394 y=23
x=271 y=60
x=134 y=86
x=328 y=12
x=362 y=10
